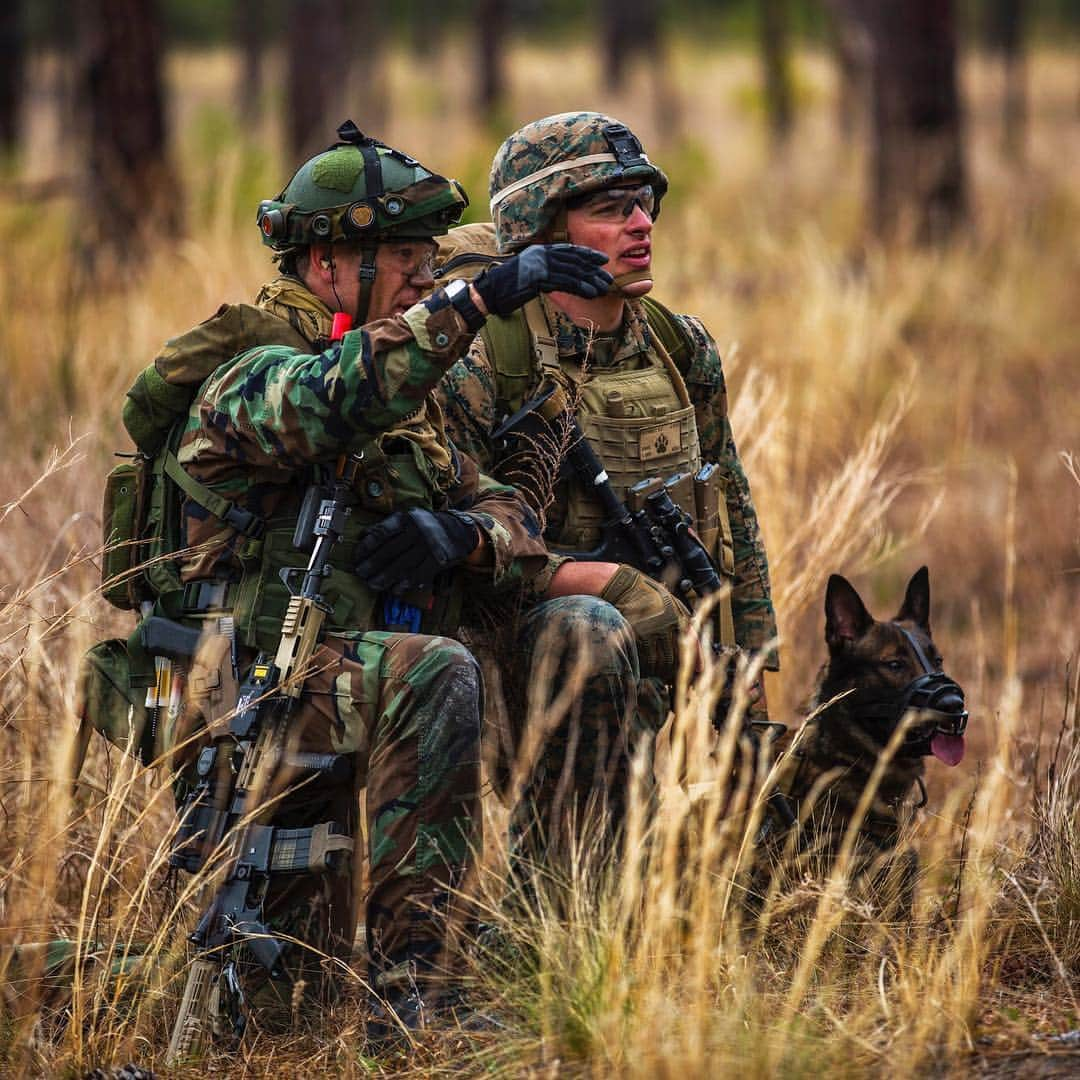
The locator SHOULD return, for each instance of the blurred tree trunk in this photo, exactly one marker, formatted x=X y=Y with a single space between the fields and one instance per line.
x=667 y=103
x=249 y=38
x=426 y=29
x=368 y=99
x=11 y=74
x=64 y=81
x=629 y=29
x=1005 y=33
x=317 y=74
x=776 y=62
x=130 y=187
x=917 y=161
x=851 y=51
x=491 y=57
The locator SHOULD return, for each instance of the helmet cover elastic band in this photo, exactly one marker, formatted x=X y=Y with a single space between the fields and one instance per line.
x=550 y=170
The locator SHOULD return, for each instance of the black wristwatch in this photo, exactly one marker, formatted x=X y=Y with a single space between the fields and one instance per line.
x=457 y=292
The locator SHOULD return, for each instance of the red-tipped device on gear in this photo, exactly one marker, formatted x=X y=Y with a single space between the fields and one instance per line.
x=341 y=325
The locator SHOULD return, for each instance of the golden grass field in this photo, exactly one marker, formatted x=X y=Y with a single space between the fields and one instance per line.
x=893 y=407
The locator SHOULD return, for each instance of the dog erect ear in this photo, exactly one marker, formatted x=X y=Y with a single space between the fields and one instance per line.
x=916 y=605
x=846 y=617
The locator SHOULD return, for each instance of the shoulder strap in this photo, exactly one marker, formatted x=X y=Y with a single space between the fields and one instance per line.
x=234 y=516
x=509 y=350
x=466 y=251
x=673 y=336
x=517 y=344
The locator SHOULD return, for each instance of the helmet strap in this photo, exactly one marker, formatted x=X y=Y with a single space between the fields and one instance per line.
x=373 y=189
x=366 y=275
x=560 y=230
x=559 y=233
x=624 y=282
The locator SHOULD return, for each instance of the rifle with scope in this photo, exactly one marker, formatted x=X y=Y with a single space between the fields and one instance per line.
x=656 y=535
x=653 y=533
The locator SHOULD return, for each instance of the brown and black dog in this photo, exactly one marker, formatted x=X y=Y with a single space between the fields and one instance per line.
x=877 y=673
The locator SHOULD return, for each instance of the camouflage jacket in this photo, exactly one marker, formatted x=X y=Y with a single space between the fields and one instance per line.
x=264 y=418
x=468 y=397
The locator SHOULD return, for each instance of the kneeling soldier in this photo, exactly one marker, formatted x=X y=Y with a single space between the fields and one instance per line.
x=646 y=389
x=229 y=466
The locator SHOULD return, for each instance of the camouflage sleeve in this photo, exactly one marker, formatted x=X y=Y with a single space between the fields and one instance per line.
x=280 y=407
x=467 y=395
x=755 y=619
x=520 y=557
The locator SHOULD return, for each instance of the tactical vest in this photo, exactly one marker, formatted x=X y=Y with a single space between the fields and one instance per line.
x=640 y=423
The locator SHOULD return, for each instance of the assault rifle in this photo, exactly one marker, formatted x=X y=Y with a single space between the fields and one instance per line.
x=234 y=776
x=656 y=537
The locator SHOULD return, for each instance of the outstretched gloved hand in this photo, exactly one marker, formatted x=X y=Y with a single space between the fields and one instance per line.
x=407 y=550
x=543 y=268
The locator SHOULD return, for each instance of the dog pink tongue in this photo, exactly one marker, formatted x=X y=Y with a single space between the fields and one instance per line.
x=947 y=748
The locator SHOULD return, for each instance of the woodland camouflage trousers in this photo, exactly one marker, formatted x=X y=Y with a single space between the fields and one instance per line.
x=406 y=708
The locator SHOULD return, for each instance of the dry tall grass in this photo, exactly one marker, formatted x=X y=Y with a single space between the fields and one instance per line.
x=893 y=408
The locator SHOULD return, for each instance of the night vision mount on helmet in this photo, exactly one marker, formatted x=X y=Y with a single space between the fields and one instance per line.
x=361 y=191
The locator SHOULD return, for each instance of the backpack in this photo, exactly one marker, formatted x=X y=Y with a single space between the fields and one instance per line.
x=141 y=506
x=122 y=686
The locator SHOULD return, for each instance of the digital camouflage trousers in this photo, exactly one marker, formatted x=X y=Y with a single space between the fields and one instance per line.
x=576 y=714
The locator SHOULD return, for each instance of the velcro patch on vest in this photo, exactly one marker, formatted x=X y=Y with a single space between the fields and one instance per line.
x=660 y=442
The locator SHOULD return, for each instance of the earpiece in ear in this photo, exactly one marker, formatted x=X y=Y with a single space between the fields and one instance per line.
x=324 y=263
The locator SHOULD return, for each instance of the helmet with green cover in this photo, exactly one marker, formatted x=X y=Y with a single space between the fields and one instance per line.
x=550 y=161
x=363 y=192
x=358 y=190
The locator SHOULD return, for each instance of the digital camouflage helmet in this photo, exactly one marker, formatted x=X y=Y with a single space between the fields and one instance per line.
x=549 y=161
x=364 y=192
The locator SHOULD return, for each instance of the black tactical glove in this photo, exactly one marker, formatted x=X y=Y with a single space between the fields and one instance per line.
x=543 y=268
x=407 y=550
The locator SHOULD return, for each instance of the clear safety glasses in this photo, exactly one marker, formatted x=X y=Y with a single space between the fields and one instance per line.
x=615 y=203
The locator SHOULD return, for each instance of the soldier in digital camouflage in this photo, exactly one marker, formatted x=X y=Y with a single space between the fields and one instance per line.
x=353 y=233
x=649 y=391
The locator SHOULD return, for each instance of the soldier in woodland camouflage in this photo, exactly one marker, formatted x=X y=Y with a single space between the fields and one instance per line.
x=650 y=393
x=353 y=231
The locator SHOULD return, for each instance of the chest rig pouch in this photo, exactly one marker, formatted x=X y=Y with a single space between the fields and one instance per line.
x=641 y=425
x=394 y=474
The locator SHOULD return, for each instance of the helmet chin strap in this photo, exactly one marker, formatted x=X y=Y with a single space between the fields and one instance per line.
x=374 y=189
x=366 y=275
x=632 y=284
x=629 y=286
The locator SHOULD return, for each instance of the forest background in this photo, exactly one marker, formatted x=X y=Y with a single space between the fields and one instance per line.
x=878 y=220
